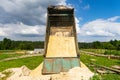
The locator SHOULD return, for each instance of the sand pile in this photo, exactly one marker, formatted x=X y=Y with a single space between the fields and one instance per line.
x=76 y=73
x=16 y=73
x=23 y=73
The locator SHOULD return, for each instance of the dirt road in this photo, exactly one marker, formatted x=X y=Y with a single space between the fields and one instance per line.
x=18 y=57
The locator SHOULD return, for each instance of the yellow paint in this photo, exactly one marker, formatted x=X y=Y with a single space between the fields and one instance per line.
x=61 y=46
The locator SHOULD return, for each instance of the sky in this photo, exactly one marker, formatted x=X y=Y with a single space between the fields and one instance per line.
x=96 y=20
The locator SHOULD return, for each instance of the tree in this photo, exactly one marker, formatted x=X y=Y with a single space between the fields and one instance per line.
x=22 y=46
x=29 y=46
x=97 y=44
x=118 y=45
x=0 y=45
x=109 y=46
x=6 y=44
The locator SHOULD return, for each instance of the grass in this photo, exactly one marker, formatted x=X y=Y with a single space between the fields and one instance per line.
x=7 y=51
x=87 y=59
x=104 y=51
x=30 y=62
x=112 y=52
x=106 y=77
x=111 y=77
x=100 y=51
x=33 y=62
x=95 y=77
x=3 y=56
x=7 y=75
x=99 y=60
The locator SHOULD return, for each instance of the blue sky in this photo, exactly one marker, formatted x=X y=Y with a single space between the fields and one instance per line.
x=94 y=9
x=88 y=11
x=96 y=20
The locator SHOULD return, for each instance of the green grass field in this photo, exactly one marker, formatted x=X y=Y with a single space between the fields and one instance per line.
x=31 y=63
x=100 y=51
x=3 y=56
x=103 y=51
x=87 y=59
x=10 y=53
x=7 y=51
x=99 y=60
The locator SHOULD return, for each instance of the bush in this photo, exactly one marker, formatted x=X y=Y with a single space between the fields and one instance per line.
x=112 y=52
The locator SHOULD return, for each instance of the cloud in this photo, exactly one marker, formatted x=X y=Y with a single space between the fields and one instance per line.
x=101 y=28
x=77 y=25
x=30 y=12
x=21 y=29
x=20 y=19
x=113 y=18
x=26 y=19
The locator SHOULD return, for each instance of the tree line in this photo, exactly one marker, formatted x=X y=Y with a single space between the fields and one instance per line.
x=8 y=44
x=110 y=45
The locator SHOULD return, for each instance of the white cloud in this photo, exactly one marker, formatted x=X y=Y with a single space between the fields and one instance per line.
x=20 y=19
x=20 y=5
x=30 y=12
x=26 y=19
x=20 y=28
x=113 y=18
x=101 y=27
x=2 y=33
x=77 y=25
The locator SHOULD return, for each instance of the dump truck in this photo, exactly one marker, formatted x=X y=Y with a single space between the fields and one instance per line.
x=61 y=46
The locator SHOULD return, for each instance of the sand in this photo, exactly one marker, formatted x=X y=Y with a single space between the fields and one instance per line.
x=38 y=71
x=60 y=46
x=23 y=73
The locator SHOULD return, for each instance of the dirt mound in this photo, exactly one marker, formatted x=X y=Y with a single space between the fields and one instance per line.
x=23 y=73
